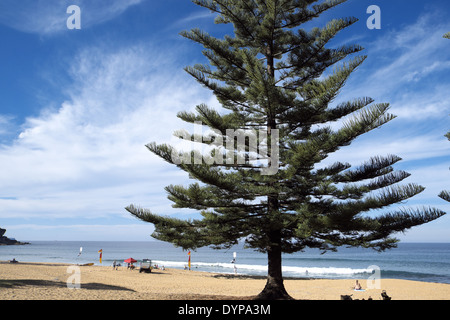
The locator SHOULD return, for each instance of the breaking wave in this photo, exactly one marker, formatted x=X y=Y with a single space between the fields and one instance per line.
x=252 y=269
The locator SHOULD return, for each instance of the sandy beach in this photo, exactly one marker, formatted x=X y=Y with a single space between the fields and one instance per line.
x=46 y=281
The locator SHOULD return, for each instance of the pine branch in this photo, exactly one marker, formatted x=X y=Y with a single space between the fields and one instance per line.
x=304 y=15
x=375 y=167
x=406 y=219
x=445 y=195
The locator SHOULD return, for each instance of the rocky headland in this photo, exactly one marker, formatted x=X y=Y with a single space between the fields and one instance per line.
x=7 y=241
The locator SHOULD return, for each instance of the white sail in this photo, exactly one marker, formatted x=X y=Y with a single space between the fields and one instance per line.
x=234 y=257
x=81 y=250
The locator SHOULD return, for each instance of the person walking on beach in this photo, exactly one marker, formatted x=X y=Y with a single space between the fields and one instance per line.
x=114 y=265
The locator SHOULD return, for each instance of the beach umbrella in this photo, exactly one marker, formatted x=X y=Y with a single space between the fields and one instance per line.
x=130 y=260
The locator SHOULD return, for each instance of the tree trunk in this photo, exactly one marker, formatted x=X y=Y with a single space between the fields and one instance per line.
x=274 y=289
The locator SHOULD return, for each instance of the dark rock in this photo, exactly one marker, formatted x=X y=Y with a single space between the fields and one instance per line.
x=7 y=241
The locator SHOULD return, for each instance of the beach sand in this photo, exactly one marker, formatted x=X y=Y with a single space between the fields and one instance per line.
x=47 y=281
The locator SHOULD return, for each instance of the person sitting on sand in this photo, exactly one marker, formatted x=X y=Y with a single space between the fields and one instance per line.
x=385 y=296
x=357 y=286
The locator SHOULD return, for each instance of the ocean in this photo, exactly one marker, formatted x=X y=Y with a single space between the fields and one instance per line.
x=411 y=261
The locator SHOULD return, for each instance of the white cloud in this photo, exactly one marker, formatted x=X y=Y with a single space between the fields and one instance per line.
x=409 y=148
x=88 y=158
x=49 y=16
x=114 y=232
x=425 y=106
x=417 y=75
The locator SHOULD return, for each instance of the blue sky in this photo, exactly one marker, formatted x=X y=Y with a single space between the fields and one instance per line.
x=78 y=106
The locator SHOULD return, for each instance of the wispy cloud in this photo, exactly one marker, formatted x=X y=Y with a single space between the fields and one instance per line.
x=408 y=68
x=75 y=232
x=409 y=148
x=407 y=60
x=88 y=157
x=195 y=17
x=5 y=123
x=48 y=17
x=437 y=66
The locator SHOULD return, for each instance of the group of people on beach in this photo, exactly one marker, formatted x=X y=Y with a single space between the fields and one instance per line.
x=116 y=265
x=131 y=266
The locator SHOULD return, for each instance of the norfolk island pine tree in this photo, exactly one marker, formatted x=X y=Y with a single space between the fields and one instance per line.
x=271 y=77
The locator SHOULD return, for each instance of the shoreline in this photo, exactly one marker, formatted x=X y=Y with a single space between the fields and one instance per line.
x=230 y=275
x=56 y=281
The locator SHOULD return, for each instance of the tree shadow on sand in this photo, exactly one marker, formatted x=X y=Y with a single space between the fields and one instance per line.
x=16 y=283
